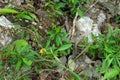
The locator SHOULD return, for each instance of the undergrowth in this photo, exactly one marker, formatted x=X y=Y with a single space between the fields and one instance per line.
x=20 y=57
x=106 y=47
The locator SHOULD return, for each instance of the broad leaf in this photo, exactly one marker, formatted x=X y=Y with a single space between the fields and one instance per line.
x=20 y=43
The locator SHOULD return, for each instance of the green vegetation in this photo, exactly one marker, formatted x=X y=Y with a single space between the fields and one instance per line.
x=17 y=56
x=70 y=7
x=107 y=48
x=20 y=58
x=57 y=41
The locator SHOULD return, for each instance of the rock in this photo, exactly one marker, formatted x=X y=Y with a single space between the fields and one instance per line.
x=87 y=26
x=101 y=18
x=5 y=27
x=112 y=5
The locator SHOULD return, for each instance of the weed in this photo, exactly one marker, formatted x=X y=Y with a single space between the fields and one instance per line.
x=57 y=41
x=26 y=15
x=106 y=47
x=117 y=18
x=19 y=56
x=65 y=6
x=22 y=14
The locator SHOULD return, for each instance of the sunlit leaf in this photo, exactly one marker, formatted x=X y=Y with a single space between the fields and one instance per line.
x=7 y=10
x=80 y=13
x=27 y=62
x=64 y=47
x=111 y=73
x=20 y=43
x=106 y=63
x=33 y=16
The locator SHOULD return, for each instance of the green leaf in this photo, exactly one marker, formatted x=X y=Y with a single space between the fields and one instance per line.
x=27 y=17
x=50 y=32
x=18 y=64
x=59 y=12
x=57 y=29
x=56 y=0
x=59 y=5
x=73 y=1
x=106 y=63
x=50 y=3
x=33 y=16
x=64 y=47
x=23 y=50
x=117 y=18
x=80 y=13
x=74 y=75
x=58 y=40
x=7 y=10
x=47 y=43
x=27 y=62
x=85 y=0
x=37 y=35
x=109 y=50
x=111 y=73
x=0 y=65
x=110 y=32
x=20 y=43
x=26 y=78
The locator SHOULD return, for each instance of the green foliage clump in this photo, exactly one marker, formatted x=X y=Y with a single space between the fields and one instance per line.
x=17 y=56
x=107 y=48
x=57 y=42
x=22 y=14
x=61 y=7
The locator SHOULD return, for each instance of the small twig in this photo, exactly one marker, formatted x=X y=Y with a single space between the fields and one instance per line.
x=67 y=24
x=72 y=30
x=74 y=21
